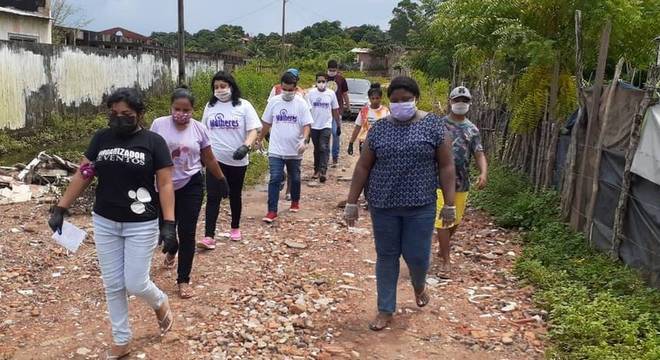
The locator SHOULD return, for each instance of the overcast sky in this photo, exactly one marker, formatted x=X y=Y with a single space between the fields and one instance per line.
x=145 y=16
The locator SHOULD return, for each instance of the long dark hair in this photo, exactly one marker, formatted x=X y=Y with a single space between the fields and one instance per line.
x=132 y=98
x=229 y=79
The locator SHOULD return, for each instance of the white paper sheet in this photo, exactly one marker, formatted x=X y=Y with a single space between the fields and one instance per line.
x=71 y=237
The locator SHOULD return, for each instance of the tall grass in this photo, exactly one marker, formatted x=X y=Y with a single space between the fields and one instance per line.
x=599 y=309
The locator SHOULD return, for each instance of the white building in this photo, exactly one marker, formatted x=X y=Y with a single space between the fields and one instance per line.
x=26 y=20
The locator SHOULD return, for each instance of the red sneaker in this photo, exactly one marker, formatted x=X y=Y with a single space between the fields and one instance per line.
x=295 y=207
x=270 y=217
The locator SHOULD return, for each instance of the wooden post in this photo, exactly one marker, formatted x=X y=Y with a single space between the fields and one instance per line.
x=554 y=125
x=622 y=205
x=568 y=188
x=593 y=113
x=181 y=45
x=599 y=143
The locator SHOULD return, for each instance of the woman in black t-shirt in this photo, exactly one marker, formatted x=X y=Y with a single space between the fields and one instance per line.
x=128 y=160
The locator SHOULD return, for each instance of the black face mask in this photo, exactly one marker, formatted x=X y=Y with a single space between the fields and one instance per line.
x=122 y=125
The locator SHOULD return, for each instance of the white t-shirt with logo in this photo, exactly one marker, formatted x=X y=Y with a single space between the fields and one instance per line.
x=288 y=118
x=322 y=103
x=228 y=127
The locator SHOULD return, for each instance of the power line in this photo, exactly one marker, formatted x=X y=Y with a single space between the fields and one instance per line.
x=264 y=7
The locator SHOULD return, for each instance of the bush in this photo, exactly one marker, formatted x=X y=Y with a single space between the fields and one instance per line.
x=598 y=309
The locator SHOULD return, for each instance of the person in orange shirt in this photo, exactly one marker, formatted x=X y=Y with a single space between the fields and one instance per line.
x=369 y=114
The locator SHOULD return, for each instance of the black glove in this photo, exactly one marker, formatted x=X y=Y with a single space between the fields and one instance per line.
x=338 y=130
x=56 y=220
x=168 y=237
x=224 y=188
x=350 y=149
x=241 y=152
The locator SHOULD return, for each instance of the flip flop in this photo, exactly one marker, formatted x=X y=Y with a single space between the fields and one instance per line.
x=381 y=322
x=422 y=298
x=185 y=291
x=165 y=324
x=110 y=356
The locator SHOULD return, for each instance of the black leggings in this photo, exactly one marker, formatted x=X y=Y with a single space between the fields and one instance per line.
x=235 y=177
x=187 y=205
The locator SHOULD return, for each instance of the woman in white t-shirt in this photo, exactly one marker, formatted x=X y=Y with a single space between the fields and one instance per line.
x=233 y=126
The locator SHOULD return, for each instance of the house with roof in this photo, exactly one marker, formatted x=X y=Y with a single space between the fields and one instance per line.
x=26 y=20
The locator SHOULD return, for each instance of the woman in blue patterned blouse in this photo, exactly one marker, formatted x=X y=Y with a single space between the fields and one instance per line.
x=404 y=158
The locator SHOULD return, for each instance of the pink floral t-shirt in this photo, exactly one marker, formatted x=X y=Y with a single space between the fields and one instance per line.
x=185 y=147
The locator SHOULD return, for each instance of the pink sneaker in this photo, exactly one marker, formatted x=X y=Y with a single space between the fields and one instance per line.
x=235 y=235
x=206 y=243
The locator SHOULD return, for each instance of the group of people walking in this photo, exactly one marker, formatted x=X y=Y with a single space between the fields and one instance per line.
x=413 y=165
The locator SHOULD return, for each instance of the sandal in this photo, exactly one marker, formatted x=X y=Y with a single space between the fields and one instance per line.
x=117 y=352
x=381 y=321
x=168 y=263
x=445 y=271
x=422 y=298
x=165 y=322
x=185 y=291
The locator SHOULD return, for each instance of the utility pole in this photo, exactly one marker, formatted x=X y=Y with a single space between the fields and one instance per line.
x=182 y=54
x=283 y=32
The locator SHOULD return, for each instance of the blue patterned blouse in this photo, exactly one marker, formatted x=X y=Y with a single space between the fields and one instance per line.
x=405 y=173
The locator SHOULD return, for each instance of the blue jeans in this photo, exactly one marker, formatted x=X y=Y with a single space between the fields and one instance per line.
x=276 y=166
x=335 y=142
x=397 y=232
x=124 y=251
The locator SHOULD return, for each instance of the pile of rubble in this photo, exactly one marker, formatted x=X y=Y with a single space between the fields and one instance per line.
x=39 y=179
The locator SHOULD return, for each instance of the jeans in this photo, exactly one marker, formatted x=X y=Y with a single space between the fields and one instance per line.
x=235 y=178
x=335 y=142
x=397 y=232
x=321 y=140
x=276 y=166
x=124 y=251
x=187 y=205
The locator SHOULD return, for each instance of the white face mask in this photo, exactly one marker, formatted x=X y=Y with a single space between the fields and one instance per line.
x=403 y=111
x=288 y=95
x=223 y=95
x=460 y=108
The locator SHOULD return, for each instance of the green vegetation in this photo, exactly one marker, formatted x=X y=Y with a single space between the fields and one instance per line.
x=599 y=309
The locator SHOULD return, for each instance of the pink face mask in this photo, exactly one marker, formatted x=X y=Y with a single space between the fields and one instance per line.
x=181 y=118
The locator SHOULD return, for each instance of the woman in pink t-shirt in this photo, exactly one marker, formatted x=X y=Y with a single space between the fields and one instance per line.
x=190 y=149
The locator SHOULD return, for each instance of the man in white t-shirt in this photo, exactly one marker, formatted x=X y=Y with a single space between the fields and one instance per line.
x=325 y=111
x=288 y=119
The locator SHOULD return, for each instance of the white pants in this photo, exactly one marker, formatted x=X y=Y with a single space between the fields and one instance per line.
x=124 y=251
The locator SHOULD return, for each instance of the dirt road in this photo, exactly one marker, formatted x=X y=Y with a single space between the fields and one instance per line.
x=265 y=298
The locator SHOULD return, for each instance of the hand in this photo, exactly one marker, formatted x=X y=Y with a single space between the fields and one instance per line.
x=168 y=237
x=224 y=188
x=56 y=220
x=351 y=214
x=448 y=215
x=258 y=144
x=302 y=147
x=482 y=181
x=241 y=152
x=338 y=130
x=350 y=149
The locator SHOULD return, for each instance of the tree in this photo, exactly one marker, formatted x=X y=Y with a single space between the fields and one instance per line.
x=65 y=14
x=403 y=20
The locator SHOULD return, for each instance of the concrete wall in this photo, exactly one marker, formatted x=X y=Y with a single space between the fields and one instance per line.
x=37 y=80
x=25 y=25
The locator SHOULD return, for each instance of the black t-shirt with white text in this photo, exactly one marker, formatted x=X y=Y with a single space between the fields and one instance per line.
x=126 y=169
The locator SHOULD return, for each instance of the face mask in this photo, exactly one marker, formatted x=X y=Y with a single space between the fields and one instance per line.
x=321 y=86
x=332 y=73
x=122 y=125
x=223 y=95
x=181 y=118
x=403 y=111
x=460 y=108
x=288 y=95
